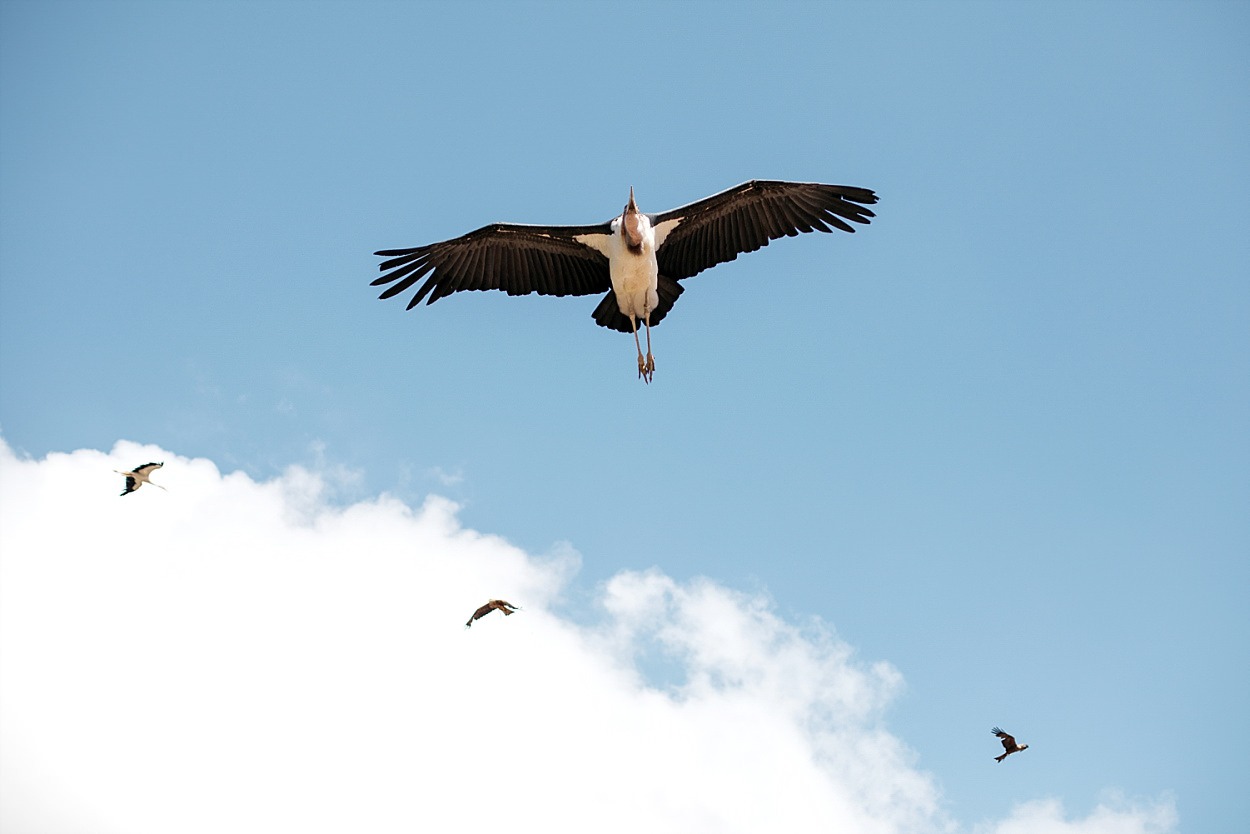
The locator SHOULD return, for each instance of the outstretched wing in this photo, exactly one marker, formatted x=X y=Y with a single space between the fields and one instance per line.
x=147 y=468
x=716 y=229
x=479 y=614
x=131 y=485
x=548 y=260
x=1009 y=742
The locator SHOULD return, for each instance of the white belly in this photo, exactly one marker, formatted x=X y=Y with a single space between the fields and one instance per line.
x=634 y=275
x=634 y=282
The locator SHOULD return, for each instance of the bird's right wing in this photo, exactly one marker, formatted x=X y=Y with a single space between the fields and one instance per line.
x=548 y=260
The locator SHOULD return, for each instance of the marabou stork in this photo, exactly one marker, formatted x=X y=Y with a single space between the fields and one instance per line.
x=636 y=259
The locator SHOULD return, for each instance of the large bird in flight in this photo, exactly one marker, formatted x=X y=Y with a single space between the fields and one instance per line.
x=506 y=607
x=1009 y=744
x=138 y=476
x=636 y=259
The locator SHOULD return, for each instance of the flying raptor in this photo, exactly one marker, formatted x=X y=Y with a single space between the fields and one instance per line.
x=636 y=259
x=1009 y=744
x=138 y=476
x=506 y=607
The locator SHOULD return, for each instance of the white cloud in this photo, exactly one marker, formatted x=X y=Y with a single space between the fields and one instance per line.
x=442 y=476
x=243 y=656
x=1115 y=815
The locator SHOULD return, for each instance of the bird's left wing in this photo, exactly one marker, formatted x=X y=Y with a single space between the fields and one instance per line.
x=548 y=260
x=746 y=217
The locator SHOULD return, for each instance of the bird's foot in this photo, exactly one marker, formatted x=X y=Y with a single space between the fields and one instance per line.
x=646 y=367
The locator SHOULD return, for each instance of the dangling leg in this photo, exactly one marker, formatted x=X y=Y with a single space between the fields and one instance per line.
x=642 y=365
x=650 y=364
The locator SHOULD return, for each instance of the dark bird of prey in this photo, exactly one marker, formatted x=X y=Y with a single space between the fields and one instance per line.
x=636 y=259
x=138 y=476
x=1009 y=744
x=506 y=607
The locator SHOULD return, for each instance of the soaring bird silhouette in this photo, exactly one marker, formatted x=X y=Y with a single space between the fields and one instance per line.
x=139 y=476
x=636 y=259
x=1009 y=744
x=506 y=607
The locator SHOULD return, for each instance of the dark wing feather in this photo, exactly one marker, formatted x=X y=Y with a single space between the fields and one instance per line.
x=1009 y=742
x=748 y=216
x=131 y=485
x=147 y=468
x=519 y=260
x=479 y=614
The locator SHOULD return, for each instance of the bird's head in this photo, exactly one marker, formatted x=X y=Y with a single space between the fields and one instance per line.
x=631 y=223
x=1024 y=747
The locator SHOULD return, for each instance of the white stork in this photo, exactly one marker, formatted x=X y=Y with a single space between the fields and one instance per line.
x=139 y=476
x=495 y=604
x=637 y=259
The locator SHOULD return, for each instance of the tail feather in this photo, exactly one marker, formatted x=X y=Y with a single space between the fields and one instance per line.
x=609 y=315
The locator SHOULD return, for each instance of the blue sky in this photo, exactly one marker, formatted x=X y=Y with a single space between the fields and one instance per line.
x=997 y=439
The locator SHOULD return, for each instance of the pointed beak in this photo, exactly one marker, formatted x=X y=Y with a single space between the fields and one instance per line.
x=631 y=223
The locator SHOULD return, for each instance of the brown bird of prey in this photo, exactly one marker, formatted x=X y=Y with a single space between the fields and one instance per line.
x=1009 y=744
x=635 y=258
x=138 y=476
x=506 y=607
